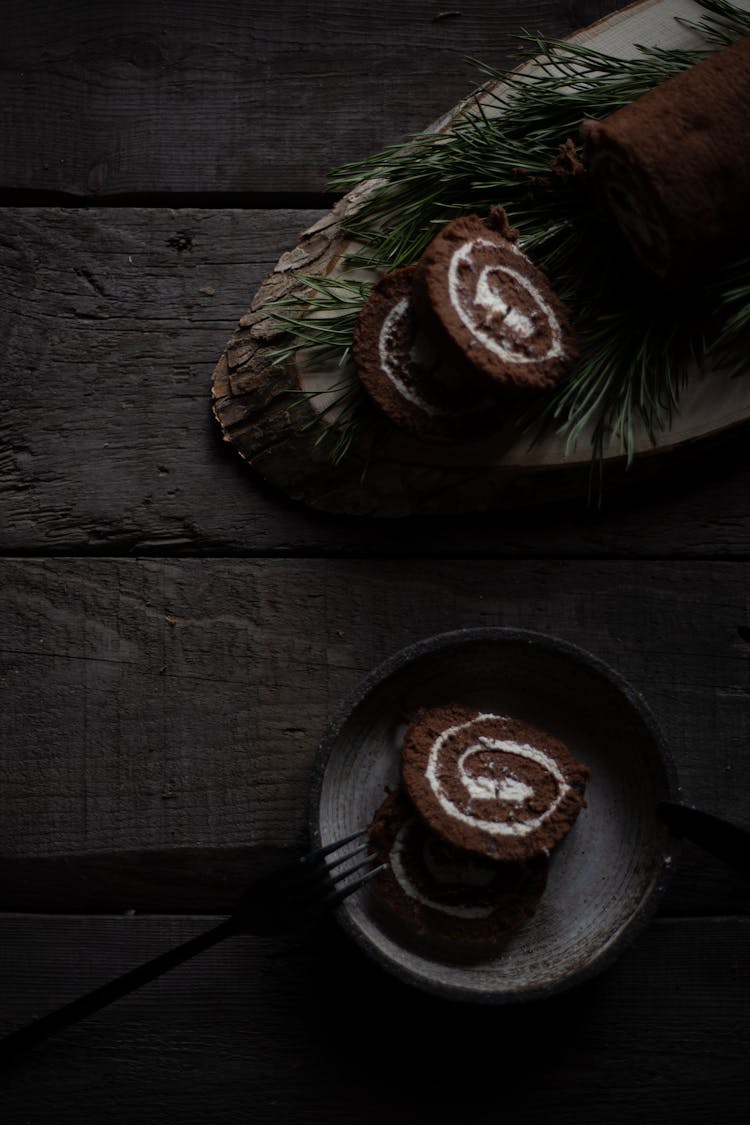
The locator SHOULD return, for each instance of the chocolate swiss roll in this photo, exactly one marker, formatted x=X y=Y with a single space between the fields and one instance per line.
x=494 y=305
x=436 y=888
x=491 y=784
x=673 y=167
x=420 y=386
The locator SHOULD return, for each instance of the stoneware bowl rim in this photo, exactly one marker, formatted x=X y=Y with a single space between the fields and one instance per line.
x=641 y=915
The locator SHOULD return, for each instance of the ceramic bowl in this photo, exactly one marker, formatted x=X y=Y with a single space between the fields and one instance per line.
x=605 y=878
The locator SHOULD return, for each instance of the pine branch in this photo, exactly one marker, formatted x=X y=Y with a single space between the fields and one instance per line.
x=636 y=351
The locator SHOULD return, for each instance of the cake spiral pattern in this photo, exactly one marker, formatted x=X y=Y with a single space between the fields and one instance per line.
x=488 y=298
x=436 y=888
x=486 y=774
x=490 y=784
x=493 y=306
x=419 y=384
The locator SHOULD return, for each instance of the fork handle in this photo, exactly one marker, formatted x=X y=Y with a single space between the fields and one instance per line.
x=113 y=990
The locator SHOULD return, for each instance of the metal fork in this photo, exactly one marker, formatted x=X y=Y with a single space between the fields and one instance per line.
x=286 y=900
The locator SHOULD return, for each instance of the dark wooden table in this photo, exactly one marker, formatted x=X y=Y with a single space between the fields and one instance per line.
x=174 y=635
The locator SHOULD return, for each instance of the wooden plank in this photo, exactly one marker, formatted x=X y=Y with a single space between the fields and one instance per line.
x=152 y=706
x=111 y=322
x=279 y=1032
x=189 y=97
x=212 y=879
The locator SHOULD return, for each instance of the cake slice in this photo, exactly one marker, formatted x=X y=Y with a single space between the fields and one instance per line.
x=493 y=305
x=437 y=889
x=421 y=384
x=490 y=784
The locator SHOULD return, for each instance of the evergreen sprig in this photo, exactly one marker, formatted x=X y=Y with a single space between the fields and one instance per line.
x=321 y=317
x=320 y=320
x=636 y=343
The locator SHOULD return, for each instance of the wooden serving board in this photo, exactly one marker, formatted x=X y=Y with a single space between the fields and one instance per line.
x=257 y=405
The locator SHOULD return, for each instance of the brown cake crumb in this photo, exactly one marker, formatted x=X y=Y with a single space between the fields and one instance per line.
x=567 y=165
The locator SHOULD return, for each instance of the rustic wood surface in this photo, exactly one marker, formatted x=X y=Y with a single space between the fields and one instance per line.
x=111 y=321
x=172 y=710
x=175 y=636
x=274 y=1033
x=161 y=698
x=229 y=97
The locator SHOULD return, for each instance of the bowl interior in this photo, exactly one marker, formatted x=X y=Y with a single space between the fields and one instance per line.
x=604 y=875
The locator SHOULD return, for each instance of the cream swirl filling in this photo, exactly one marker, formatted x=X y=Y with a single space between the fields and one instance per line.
x=517 y=326
x=391 y=332
x=482 y=787
x=409 y=887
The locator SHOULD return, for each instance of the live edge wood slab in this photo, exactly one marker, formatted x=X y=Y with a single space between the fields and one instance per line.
x=275 y=415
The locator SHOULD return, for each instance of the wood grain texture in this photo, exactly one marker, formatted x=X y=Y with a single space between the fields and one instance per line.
x=285 y=1034
x=158 y=718
x=150 y=706
x=102 y=99
x=110 y=325
x=212 y=879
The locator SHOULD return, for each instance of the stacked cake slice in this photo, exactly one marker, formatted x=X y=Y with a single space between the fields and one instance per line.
x=446 y=346
x=485 y=800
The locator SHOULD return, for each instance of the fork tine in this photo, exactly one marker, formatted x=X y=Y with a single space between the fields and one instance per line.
x=342 y=875
x=321 y=853
x=345 y=858
x=299 y=892
x=336 y=897
x=314 y=883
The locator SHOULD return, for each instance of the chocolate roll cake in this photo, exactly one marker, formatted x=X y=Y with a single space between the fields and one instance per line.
x=436 y=888
x=494 y=305
x=673 y=167
x=419 y=385
x=491 y=784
